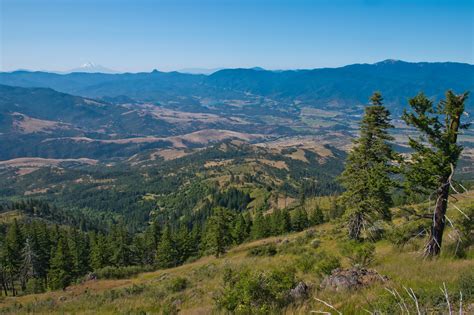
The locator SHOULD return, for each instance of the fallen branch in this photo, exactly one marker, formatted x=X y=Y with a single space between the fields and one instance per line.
x=328 y=305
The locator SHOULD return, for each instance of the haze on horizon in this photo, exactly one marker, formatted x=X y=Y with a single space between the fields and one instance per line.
x=141 y=35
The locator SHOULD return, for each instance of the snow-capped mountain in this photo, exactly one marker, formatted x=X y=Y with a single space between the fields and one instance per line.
x=91 y=67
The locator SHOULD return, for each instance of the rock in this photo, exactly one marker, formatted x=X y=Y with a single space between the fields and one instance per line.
x=62 y=298
x=301 y=291
x=351 y=279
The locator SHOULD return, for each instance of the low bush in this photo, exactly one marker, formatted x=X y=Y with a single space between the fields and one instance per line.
x=177 y=284
x=401 y=235
x=326 y=263
x=111 y=272
x=247 y=292
x=264 y=250
x=359 y=254
x=319 y=262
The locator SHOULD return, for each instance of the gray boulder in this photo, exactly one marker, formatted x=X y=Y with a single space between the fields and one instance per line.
x=351 y=279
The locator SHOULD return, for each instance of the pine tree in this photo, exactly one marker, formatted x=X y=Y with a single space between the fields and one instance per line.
x=248 y=222
x=14 y=244
x=79 y=250
x=300 y=220
x=60 y=273
x=367 y=175
x=280 y=222
x=100 y=251
x=285 y=221
x=185 y=244
x=166 y=254
x=218 y=231
x=239 y=232
x=41 y=245
x=432 y=166
x=317 y=216
x=259 y=226
x=120 y=241
x=275 y=219
x=152 y=239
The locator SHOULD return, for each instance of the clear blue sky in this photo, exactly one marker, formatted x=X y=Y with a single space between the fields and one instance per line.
x=140 y=35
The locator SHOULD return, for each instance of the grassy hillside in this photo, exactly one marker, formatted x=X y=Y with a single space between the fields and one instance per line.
x=195 y=287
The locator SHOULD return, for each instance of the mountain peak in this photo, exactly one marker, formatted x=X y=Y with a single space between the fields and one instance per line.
x=88 y=65
x=389 y=62
x=91 y=67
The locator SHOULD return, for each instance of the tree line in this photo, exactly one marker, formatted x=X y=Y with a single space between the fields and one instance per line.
x=36 y=255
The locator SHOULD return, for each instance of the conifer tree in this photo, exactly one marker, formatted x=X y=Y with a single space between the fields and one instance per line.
x=317 y=216
x=239 y=232
x=259 y=226
x=60 y=272
x=100 y=252
x=152 y=239
x=275 y=222
x=79 y=250
x=248 y=222
x=285 y=224
x=14 y=243
x=435 y=156
x=300 y=220
x=218 y=231
x=120 y=241
x=166 y=254
x=367 y=174
x=184 y=244
x=41 y=246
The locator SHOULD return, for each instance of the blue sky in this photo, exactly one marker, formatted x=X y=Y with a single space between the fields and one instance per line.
x=140 y=35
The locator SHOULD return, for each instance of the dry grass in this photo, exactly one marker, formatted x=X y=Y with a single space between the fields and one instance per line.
x=201 y=137
x=40 y=162
x=26 y=124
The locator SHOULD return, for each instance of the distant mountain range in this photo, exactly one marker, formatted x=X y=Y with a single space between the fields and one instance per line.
x=320 y=88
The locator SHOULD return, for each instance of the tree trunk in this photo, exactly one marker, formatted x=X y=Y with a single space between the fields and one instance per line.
x=355 y=226
x=433 y=248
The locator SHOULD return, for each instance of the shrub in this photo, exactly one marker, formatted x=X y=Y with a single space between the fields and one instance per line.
x=401 y=235
x=177 y=284
x=320 y=262
x=247 y=292
x=111 y=272
x=466 y=285
x=359 y=254
x=264 y=250
x=315 y=243
x=306 y=262
x=326 y=263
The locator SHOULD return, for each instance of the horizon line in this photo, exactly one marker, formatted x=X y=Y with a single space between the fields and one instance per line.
x=212 y=70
